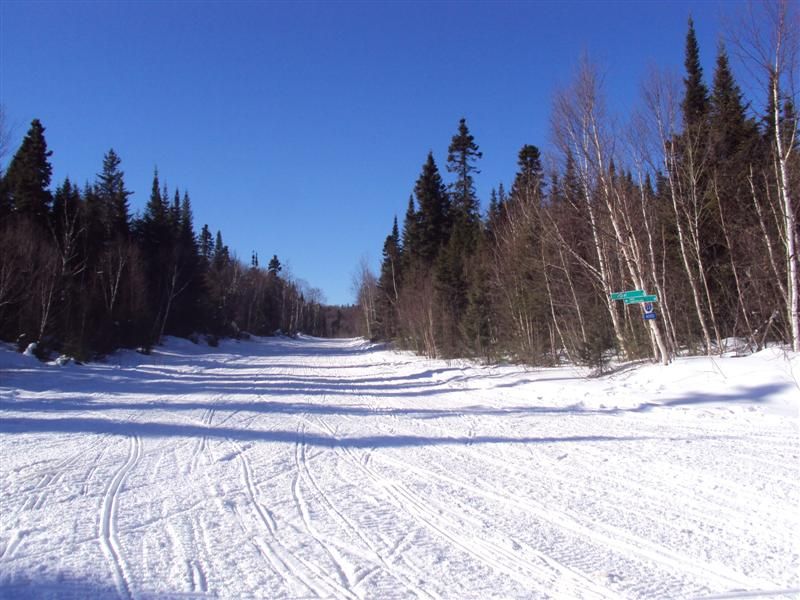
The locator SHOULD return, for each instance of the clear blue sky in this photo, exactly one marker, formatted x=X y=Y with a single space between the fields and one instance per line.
x=299 y=128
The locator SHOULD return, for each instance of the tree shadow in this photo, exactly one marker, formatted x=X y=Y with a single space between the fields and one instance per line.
x=86 y=401
x=757 y=394
x=83 y=425
x=22 y=586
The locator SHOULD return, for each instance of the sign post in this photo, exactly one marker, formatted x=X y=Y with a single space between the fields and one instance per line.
x=648 y=314
x=638 y=297
x=628 y=294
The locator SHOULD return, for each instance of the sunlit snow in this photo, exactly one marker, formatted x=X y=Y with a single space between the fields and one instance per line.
x=277 y=468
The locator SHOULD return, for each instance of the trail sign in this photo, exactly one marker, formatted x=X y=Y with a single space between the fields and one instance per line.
x=628 y=294
x=640 y=299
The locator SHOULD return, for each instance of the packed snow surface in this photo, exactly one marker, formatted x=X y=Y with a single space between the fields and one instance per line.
x=277 y=468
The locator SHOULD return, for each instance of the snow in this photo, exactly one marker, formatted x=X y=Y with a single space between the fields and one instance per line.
x=279 y=468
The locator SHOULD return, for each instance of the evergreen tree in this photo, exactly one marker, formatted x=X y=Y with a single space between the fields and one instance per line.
x=187 y=238
x=220 y=251
x=433 y=219
x=28 y=176
x=156 y=217
x=67 y=204
x=528 y=186
x=206 y=245
x=157 y=242
x=274 y=267
x=389 y=284
x=461 y=157
x=731 y=130
x=695 y=100
x=453 y=279
x=187 y=286
x=494 y=214
x=410 y=232
x=110 y=188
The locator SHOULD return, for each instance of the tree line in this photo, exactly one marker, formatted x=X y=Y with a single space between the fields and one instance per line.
x=694 y=200
x=80 y=275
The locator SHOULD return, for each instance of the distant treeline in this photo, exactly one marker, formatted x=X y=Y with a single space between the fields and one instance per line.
x=694 y=200
x=79 y=275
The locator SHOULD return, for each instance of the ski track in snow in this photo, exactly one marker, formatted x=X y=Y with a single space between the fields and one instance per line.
x=109 y=527
x=308 y=468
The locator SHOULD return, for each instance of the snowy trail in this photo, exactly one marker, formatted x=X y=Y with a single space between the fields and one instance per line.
x=310 y=468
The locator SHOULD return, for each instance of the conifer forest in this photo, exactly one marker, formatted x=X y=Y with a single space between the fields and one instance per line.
x=692 y=198
x=80 y=276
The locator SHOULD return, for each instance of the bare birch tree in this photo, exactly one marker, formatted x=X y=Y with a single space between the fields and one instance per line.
x=768 y=41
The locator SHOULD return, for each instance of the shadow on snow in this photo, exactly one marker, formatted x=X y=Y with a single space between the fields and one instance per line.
x=17 y=425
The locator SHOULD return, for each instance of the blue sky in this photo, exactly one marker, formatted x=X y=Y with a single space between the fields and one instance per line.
x=299 y=128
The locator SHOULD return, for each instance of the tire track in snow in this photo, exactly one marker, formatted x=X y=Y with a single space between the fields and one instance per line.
x=179 y=534
x=202 y=443
x=51 y=477
x=287 y=565
x=13 y=543
x=726 y=519
x=372 y=554
x=302 y=506
x=607 y=536
x=109 y=527
x=499 y=557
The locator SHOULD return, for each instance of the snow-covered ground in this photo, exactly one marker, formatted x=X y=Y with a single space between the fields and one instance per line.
x=333 y=469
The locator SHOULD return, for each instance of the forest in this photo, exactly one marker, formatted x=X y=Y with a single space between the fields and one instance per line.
x=81 y=276
x=692 y=200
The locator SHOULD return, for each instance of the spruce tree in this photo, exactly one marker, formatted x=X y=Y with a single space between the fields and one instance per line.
x=433 y=219
x=730 y=127
x=206 y=244
x=221 y=253
x=461 y=157
x=695 y=99
x=110 y=189
x=528 y=186
x=28 y=176
x=389 y=284
x=274 y=267
x=155 y=212
x=410 y=232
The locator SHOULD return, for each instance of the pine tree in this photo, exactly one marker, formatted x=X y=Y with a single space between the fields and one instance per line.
x=28 y=176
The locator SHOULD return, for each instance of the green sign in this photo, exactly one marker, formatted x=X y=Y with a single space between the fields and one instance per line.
x=640 y=299
x=625 y=295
